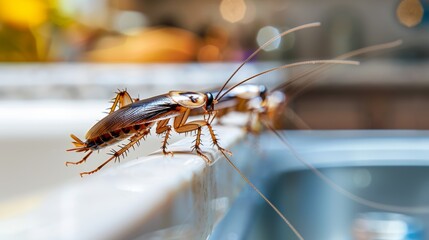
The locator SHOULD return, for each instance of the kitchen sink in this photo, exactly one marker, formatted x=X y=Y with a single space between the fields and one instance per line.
x=387 y=167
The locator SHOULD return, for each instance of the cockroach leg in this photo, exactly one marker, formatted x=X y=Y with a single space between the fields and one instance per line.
x=162 y=127
x=213 y=115
x=252 y=120
x=181 y=126
x=81 y=161
x=133 y=140
x=215 y=140
x=165 y=142
x=122 y=99
x=197 y=147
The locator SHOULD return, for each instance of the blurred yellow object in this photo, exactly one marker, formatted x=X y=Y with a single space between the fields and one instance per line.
x=23 y=13
x=410 y=12
x=152 y=45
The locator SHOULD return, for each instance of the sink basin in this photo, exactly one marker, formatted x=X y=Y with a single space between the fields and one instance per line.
x=388 y=167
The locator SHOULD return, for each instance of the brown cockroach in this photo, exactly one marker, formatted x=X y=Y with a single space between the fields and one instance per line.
x=265 y=107
x=134 y=119
x=265 y=104
x=248 y=98
x=256 y=99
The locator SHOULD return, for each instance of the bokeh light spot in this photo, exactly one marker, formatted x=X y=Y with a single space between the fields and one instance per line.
x=233 y=10
x=410 y=12
x=265 y=34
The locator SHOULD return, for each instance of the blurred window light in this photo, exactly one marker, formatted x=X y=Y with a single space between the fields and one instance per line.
x=410 y=12
x=233 y=10
x=265 y=34
x=91 y=13
x=127 y=21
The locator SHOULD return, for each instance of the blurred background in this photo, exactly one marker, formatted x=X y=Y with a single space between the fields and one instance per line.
x=201 y=31
x=387 y=91
x=62 y=60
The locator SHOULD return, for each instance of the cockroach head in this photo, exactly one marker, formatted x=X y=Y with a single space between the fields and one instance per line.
x=210 y=102
x=263 y=91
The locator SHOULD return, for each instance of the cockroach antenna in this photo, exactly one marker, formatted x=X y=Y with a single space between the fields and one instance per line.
x=312 y=62
x=309 y=25
x=344 y=56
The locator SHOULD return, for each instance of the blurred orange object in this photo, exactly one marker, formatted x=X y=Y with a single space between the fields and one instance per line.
x=165 y=44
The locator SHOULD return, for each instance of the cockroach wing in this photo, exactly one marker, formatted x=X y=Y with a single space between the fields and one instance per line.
x=140 y=112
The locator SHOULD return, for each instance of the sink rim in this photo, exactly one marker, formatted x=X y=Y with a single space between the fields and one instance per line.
x=345 y=148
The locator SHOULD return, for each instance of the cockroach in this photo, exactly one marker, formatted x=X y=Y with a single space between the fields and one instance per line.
x=249 y=99
x=258 y=99
x=262 y=103
x=134 y=119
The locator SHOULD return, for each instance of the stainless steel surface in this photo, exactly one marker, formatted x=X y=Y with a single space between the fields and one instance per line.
x=390 y=167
